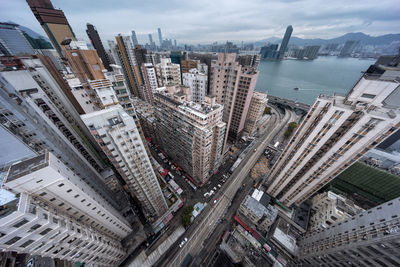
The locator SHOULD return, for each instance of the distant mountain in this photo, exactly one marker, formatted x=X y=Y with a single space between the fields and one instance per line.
x=357 y=36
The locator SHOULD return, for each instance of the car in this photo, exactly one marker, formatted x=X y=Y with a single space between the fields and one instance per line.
x=255 y=149
x=206 y=194
x=215 y=189
x=212 y=192
x=219 y=185
x=183 y=242
x=215 y=201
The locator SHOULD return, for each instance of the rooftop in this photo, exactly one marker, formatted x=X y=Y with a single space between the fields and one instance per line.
x=259 y=209
x=27 y=166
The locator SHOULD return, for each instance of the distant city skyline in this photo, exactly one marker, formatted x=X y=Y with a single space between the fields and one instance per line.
x=208 y=21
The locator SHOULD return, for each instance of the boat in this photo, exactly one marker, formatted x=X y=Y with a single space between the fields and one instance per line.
x=296 y=88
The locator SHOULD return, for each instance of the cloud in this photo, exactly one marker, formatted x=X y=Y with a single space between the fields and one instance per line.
x=205 y=21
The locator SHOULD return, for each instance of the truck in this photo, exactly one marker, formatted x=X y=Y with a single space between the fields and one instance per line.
x=235 y=165
x=175 y=186
x=276 y=145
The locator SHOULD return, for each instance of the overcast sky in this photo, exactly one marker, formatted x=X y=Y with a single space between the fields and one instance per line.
x=205 y=21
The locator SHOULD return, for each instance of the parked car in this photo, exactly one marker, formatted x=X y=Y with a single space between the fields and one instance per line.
x=215 y=201
x=183 y=242
x=219 y=185
x=215 y=189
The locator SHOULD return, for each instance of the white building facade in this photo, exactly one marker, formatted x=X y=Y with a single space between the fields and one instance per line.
x=168 y=73
x=336 y=132
x=117 y=134
x=58 y=215
x=197 y=81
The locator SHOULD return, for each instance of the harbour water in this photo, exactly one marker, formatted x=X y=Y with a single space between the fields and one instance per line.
x=324 y=75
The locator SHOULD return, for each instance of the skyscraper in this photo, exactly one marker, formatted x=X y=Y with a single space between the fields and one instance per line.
x=98 y=45
x=370 y=238
x=285 y=41
x=233 y=86
x=53 y=22
x=150 y=81
x=117 y=134
x=191 y=134
x=348 y=48
x=336 y=132
x=134 y=39
x=150 y=38
x=160 y=37
x=12 y=41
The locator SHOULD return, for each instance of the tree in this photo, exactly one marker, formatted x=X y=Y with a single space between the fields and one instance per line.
x=186 y=215
x=291 y=126
x=267 y=110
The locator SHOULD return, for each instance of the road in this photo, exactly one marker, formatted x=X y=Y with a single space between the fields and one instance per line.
x=204 y=225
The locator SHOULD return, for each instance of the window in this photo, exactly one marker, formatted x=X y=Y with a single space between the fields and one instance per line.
x=60 y=185
x=33 y=228
x=20 y=223
x=368 y=96
x=47 y=230
x=12 y=240
x=39 y=181
x=43 y=194
x=27 y=243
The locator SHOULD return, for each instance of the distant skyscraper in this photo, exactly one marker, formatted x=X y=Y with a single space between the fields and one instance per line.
x=53 y=22
x=134 y=39
x=98 y=45
x=160 y=37
x=285 y=41
x=175 y=43
x=269 y=52
x=120 y=139
x=150 y=38
x=336 y=132
x=13 y=41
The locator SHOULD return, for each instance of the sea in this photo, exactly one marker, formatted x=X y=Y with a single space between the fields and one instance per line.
x=324 y=75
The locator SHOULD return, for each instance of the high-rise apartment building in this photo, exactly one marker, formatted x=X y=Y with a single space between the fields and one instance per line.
x=336 y=132
x=197 y=81
x=191 y=134
x=150 y=82
x=348 y=48
x=257 y=107
x=127 y=60
x=134 y=39
x=55 y=214
x=168 y=73
x=98 y=45
x=233 y=86
x=53 y=22
x=13 y=41
x=41 y=124
x=118 y=135
x=285 y=41
x=370 y=238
